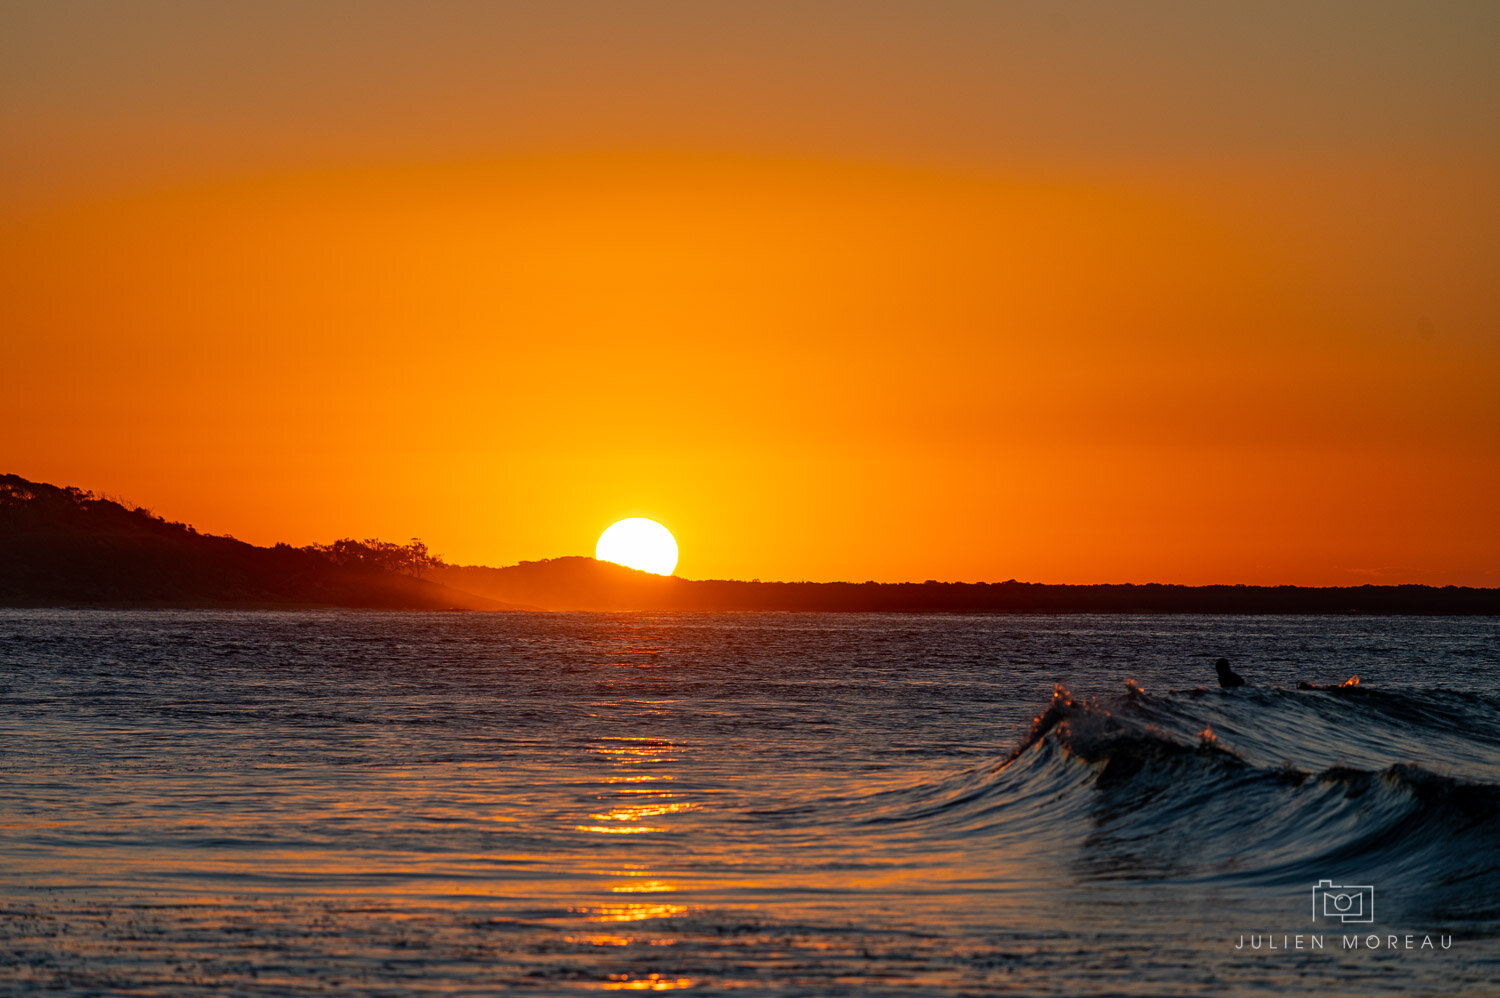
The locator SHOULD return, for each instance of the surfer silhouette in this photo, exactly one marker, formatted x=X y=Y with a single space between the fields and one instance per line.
x=1228 y=678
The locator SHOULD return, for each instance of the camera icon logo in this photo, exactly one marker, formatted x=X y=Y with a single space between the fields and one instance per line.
x=1344 y=902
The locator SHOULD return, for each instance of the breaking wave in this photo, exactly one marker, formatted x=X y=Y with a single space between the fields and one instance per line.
x=1165 y=788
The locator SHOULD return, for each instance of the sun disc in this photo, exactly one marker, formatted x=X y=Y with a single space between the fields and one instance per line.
x=638 y=542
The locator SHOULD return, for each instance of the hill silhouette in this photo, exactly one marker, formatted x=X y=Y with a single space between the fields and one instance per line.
x=576 y=583
x=64 y=546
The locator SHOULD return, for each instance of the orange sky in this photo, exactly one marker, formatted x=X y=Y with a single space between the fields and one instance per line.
x=1064 y=293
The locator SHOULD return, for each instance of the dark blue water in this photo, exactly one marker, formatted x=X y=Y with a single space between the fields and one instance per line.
x=264 y=803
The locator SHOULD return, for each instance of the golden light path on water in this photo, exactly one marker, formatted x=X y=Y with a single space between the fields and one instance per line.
x=628 y=805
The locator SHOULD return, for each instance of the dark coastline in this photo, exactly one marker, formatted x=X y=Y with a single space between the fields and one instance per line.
x=64 y=547
x=584 y=584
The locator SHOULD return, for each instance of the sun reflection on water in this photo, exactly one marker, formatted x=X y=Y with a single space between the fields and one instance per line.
x=627 y=817
x=611 y=939
x=617 y=829
x=651 y=982
x=629 y=912
x=635 y=812
x=627 y=807
x=643 y=887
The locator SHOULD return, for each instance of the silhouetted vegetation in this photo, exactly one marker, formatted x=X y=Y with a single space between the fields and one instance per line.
x=382 y=556
x=66 y=546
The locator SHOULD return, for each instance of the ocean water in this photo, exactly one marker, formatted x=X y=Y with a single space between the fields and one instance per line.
x=761 y=804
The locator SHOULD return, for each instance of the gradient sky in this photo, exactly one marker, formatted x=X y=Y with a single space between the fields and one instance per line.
x=1174 y=292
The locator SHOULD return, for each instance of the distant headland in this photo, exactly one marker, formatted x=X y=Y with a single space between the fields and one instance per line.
x=63 y=546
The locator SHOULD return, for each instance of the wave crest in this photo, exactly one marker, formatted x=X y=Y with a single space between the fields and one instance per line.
x=1143 y=799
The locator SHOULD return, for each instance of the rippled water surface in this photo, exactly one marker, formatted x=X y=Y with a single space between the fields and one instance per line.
x=265 y=802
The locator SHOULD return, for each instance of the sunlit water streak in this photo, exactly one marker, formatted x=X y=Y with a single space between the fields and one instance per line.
x=778 y=804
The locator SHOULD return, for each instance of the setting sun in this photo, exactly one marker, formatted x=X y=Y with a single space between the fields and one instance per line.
x=638 y=542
